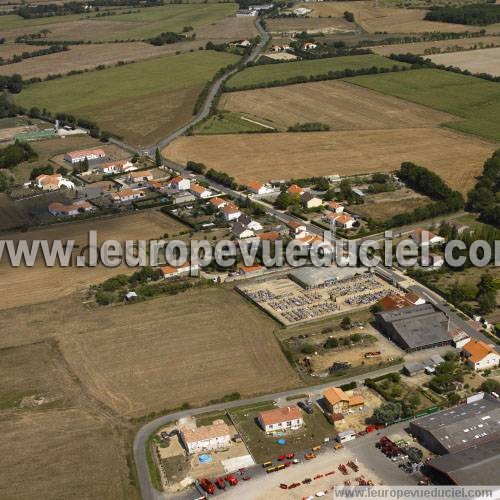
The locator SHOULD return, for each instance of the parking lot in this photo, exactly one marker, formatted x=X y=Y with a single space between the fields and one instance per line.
x=291 y=304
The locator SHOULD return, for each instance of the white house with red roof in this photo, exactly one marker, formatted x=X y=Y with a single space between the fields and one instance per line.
x=479 y=355
x=116 y=167
x=169 y=272
x=218 y=203
x=180 y=183
x=344 y=221
x=231 y=212
x=259 y=188
x=426 y=238
x=76 y=208
x=126 y=195
x=52 y=182
x=280 y=420
x=200 y=191
x=335 y=207
x=89 y=154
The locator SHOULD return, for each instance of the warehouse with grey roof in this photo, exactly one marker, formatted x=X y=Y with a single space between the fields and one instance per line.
x=416 y=327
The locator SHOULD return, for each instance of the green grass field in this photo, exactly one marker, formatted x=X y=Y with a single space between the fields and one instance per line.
x=231 y=123
x=139 y=101
x=475 y=100
x=281 y=71
x=144 y=24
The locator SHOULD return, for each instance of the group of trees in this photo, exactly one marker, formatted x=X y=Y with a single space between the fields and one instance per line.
x=13 y=83
x=309 y=127
x=422 y=180
x=380 y=183
x=222 y=178
x=166 y=38
x=16 y=153
x=485 y=197
x=50 y=9
x=197 y=168
x=36 y=53
x=480 y=14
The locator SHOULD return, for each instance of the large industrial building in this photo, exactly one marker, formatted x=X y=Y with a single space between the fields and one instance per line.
x=459 y=428
x=478 y=464
x=416 y=327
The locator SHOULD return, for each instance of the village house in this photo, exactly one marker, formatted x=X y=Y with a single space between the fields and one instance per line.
x=182 y=197
x=414 y=299
x=269 y=236
x=249 y=271
x=52 y=182
x=426 y=238
x=207 y=437
x=459 y=338
x=218 y=203
x=459 y=227
x=249 y=223
x=479 y=355
x=231 y=212
x=116 y=167
x=169 y=272
x=79 y=156
x=241 y=231
x=127 y=195
x=259 y=188
x=180 y=183
x=76 y=208
x=281 y=419
x=294 y=189
x=310 y=46
x=140 y=176
x=310 y=200
x=344 y=221
x=200 y=191
x=337 y=401
x=335 y=207
x=297 y=229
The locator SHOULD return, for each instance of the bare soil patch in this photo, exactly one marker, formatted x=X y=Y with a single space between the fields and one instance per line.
x=233 y=28
x=457 y=45
x=477 y=61
x=457 y=158
x=382 y=19
x=339 y=104
x=311 y=24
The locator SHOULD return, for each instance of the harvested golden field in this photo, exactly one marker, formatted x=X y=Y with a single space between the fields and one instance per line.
x=457 y=158
x=456 y=45
x=231 y=28
x=7 y=50
x=24 y=285
x=310 y=24
x=80 y=57
x=382 y=19
x=477 y=61
x=153 y=355
x=339 y=104
x=50 y=424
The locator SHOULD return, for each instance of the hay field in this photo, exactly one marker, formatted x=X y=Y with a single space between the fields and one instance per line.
x=68 y=446
x=146 y=23
x=457 y=158
x=7 y=50
x=155 y=355
x=310 y=24
x=477 y=61
x=24 y=285
x=382 y=19
x=80 y=57
x=339 y=104
x=141 y=102
x=457 y=45
x=266 y=73
x=476 y=101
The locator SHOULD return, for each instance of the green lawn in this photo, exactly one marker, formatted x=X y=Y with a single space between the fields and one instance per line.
x=231 y=123
x=132 y=80
x=266 y=73
x=140 y=101
x=475 y=100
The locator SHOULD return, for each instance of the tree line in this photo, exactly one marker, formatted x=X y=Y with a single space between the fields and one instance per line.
x=484 y=197
x=36 y=53
x=474 y=14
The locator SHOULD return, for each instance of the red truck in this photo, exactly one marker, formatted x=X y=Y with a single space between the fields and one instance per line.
x=231 y=479
x=207 y=486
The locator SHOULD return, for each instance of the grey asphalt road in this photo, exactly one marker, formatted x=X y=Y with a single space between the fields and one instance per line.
x=148 y=492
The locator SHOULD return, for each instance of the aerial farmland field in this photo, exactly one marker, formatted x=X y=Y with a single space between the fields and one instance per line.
x=267 y=73
x=385 y=19
x=478 y=61
x=476 y=101
x=458 y=158
x=159 y=94
x=123 y=25
x=340 y=105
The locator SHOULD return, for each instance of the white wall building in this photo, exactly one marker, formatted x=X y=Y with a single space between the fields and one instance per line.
x=281 y=419
x=207 y=438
